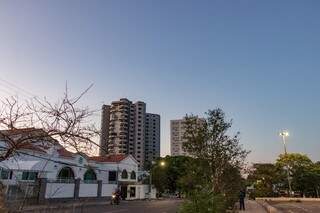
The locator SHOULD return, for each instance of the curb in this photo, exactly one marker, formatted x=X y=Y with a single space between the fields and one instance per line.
x=37 y=208
x=268 y=207
x=58 y=206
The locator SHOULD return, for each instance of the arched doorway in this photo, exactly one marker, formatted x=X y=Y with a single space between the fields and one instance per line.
x=133 y=175
x=66 y=173
x=89 y=176
x=124 y=174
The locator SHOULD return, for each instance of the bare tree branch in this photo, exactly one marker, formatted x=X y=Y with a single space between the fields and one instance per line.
x=63 y=120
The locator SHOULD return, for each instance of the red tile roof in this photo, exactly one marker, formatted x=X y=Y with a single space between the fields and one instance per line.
x=65 y=153
x=29 y=133
x=10 y=132
x=30 y=146
x=34 y=138
x=108 y=158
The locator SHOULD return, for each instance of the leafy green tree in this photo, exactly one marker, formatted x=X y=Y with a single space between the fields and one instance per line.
x=302 y=171
x=195 y=178
x=265 y=177
x=219 y=159
x=210 y=142
x=294 y=161
x=232 y=184
x=202 y=201
x=166 y=178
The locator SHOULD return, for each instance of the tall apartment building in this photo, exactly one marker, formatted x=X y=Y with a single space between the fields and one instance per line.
x=152 y=137
x=177 y=130
x=125 y=129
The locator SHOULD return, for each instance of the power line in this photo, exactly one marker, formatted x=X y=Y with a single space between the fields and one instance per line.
x=13 y=92
x=17 y=87
x=3 y=90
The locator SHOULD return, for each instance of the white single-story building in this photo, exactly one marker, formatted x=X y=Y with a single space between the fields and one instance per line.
x=64 y=174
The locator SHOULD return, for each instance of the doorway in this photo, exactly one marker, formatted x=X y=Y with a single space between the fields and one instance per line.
x=123 y=192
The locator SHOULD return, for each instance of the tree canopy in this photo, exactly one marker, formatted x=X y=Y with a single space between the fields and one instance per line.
x=215 y=174
x=210 y=142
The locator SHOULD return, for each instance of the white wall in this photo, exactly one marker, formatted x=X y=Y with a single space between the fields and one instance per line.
x=59 y=190
x=107 y=189
x=88 y=190
x=127 y=164
x=142 y=192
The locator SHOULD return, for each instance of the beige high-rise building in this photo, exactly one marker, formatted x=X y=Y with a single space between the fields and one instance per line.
x=177 y=131
x=124 y=127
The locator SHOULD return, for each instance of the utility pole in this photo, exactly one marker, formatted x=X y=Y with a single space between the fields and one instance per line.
x=283 y=135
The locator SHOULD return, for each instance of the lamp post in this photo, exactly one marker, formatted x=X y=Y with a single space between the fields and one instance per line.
x=283 y=135
x=150 y=177
x=162 y=164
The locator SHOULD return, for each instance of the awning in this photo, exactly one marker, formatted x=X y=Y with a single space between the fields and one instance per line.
x=24 y=165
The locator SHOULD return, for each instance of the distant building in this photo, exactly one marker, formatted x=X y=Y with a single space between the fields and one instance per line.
x=177 y=131
x=126 y=128
x=152 y=137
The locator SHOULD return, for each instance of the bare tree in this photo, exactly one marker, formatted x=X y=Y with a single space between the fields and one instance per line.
x=25 y=124
x=64 y=121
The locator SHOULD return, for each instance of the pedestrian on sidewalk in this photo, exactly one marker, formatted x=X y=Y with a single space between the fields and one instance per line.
x=242 y=196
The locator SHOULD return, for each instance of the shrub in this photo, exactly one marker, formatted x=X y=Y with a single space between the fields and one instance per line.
x=203 y=201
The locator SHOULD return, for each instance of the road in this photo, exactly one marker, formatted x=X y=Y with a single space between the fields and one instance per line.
x=156 y=206
x=297 y=207
x=253 y=207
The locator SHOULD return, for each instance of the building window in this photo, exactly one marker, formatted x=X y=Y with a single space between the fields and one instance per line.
x=66 y=173
x=132 y=191
x=133 y=175
x=89 y=176
x=4 y=174
x=112 y=176
x=29 y=175
x=124 y=174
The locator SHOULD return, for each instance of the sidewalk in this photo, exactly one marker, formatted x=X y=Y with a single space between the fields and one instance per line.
x=50 y=207
x=253 y=207
x=61 y=205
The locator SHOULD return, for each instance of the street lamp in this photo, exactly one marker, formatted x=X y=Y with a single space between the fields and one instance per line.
x=162 y=163
x=283 y=134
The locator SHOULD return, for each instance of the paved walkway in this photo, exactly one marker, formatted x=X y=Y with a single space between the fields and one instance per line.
x=253 y=207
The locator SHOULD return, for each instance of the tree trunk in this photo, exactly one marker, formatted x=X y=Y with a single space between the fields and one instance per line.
x=3 y=208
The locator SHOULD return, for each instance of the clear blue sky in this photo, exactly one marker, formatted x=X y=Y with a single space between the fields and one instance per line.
x=258 y=60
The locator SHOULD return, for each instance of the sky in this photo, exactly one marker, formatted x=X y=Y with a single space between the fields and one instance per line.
x=257 y=60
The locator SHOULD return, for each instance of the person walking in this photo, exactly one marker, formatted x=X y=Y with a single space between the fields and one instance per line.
x=242 y=196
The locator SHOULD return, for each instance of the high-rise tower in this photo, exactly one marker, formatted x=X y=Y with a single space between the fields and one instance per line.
x=125 y=129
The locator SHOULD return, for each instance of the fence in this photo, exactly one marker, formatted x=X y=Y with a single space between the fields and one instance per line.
x=22 y=192
x=76 y=189
x=88 y=189
x=44 y=190
x=59 y=190
x=107 y=189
